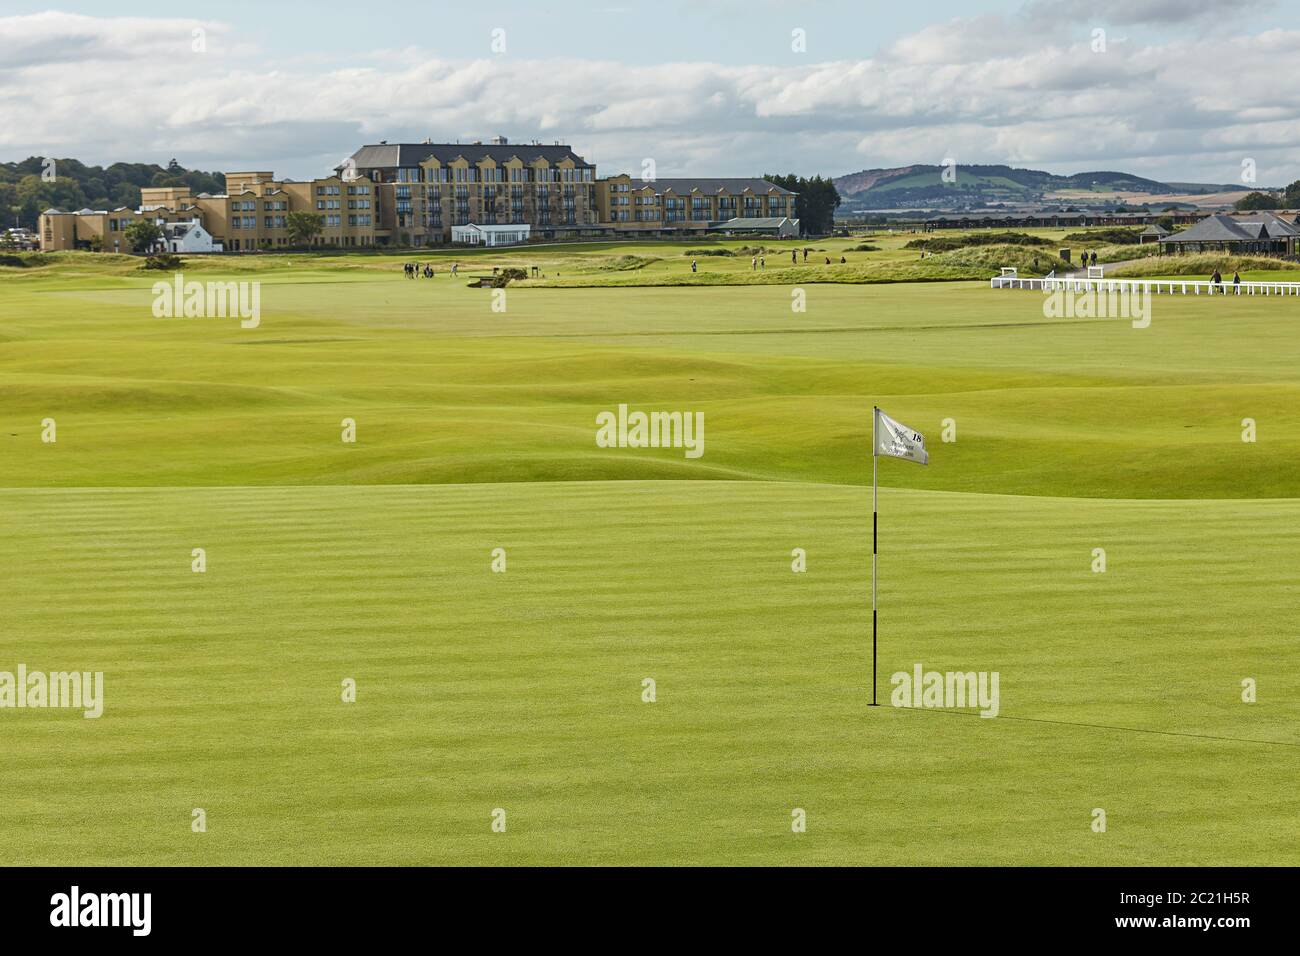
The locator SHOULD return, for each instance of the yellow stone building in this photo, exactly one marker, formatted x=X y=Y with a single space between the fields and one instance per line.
x=412 y=194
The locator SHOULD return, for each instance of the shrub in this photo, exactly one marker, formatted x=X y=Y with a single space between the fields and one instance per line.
x=500 y=279
x=1201 y=266
x=623 y=263
x=163 y=261
x=1111 y=237
x=864 y=247
x=708 y=252
x=1125 y=253
x=993 y=258
x=949 y=243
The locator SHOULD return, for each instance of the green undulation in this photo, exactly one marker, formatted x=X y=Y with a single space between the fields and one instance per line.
x=388 y=638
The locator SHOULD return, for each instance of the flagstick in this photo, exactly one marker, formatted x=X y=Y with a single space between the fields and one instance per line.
x=875 y=412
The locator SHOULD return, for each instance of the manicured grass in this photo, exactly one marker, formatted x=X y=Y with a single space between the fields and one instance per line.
x=522 y=690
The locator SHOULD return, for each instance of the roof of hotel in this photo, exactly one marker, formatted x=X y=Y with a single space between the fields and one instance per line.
x=494 y=227
x=765 y=222
x=716 y=184
x=410 y=155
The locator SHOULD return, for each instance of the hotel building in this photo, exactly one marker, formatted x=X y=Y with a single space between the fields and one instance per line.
x=415 y=194
x=677 y=207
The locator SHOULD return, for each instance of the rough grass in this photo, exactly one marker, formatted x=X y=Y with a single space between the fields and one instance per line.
x=1109 y=236
x=1199 y=265
x=987 y=260
x=1127 y=253
x=948 y=243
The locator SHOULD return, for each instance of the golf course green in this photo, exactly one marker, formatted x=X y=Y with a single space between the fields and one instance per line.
x=474 y=412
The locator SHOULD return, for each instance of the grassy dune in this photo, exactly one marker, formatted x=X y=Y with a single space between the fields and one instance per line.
x=522 y=690
x=443 y=389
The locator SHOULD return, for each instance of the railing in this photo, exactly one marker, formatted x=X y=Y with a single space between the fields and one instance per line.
x=1145 y=286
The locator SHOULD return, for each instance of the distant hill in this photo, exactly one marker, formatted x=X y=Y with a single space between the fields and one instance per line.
x=24 y=194
x=923 y=185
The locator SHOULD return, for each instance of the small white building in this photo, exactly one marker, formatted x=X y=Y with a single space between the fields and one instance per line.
x=503 y=235
x=187 y=237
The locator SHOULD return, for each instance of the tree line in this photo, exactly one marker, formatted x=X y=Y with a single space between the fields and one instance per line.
x=29 y=187
x=816 y=200
x=1288 y=198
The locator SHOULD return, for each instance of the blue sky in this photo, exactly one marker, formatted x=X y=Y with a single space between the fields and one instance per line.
x=710 y=87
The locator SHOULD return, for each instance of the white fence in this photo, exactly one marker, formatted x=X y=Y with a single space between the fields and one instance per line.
x=1144 y=286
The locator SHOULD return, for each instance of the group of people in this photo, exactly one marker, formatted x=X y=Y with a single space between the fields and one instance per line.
x=1217 y=279
x=759 y=263
x=1085 y=260
x=414 y=270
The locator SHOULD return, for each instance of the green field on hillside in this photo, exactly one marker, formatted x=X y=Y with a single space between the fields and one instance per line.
x=522 y=690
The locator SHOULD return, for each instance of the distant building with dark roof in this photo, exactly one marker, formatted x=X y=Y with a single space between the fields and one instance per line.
x=415 y=194
x=1152 y=233
x=425 y=189
x=688 y=206
x=1252 y=233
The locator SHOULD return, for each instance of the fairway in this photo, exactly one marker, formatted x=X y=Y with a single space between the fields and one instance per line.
x=476 y=690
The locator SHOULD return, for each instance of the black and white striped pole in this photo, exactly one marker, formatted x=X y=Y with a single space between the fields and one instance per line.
x=875 y=414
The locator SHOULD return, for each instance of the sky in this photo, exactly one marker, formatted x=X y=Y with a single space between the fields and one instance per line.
x=1181 y=90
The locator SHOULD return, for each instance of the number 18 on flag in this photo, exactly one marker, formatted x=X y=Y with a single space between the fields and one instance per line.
x=898 y=441
x=894 y=440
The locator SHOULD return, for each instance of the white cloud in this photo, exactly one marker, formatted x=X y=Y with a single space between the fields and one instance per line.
x=978 y=89
x=1166 y=12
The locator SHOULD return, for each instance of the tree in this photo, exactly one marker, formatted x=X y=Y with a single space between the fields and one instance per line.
x=1256 y=200
x=24 y=194
x=142 y=235
x=1291 y=195
x=815 y=202
x=303 y=227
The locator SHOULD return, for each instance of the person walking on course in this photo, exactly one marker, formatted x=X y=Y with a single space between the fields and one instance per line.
x=762 y=263
x=753 y=264
x=1216 y=280
x=794 y=257
x=805 y=255
x=694 y=265
x=1094 y=258
x=1236 y=282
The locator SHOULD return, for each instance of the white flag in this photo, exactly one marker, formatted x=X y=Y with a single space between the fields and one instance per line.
x=898 y=441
